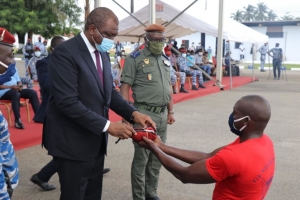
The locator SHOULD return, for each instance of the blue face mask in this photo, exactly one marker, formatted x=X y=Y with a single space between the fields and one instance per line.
x=183 y=55
x=105 y=45
x=232 y=127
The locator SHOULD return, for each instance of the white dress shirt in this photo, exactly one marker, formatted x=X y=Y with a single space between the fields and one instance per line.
x=92 y=52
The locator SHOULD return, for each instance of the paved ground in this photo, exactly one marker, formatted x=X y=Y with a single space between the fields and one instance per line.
x=201 y=124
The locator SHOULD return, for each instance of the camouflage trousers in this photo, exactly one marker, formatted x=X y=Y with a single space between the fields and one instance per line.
x=182 y=77
x=195 y=74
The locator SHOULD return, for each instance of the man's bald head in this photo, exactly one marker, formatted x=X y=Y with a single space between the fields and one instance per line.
x=256 y=107
x=99 y=17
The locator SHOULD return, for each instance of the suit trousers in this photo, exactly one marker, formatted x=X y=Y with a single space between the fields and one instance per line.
x=15 y=96
x=47 y=171
x=80 y=180
x=145 y=166
x=277 y=66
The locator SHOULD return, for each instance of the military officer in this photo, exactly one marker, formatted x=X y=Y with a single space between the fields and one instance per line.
x=28 y=53
x=147 y=72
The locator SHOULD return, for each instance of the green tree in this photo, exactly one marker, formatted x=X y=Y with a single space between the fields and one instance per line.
x=287 y=17
x=238 y=16
x=249 y=13
x=271 y=16
x=261 y=13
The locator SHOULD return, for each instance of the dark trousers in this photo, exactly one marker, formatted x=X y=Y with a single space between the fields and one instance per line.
x=47 y=171
x=15 y=96
x=80 y=180
x=276 y=65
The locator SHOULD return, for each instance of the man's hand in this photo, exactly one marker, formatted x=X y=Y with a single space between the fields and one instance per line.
x=149 y=144
x=171 y=119
x=120 y=130
x=143 y=120
x=15 y=87
x=20 y=86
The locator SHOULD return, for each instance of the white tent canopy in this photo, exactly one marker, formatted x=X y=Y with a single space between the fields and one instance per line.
x=130 y=29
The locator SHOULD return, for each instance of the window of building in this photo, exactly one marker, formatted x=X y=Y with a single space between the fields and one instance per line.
x=275 y=34
x=275 y=31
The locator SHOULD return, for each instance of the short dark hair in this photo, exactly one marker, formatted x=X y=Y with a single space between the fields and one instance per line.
x=277 y=44
x=99 y=17
x=54 y=41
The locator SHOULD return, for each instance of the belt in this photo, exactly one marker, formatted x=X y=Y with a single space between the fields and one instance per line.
x=154 y=109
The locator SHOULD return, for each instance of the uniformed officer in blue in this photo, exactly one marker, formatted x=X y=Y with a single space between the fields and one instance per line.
x=9 y=169
x=147 y=72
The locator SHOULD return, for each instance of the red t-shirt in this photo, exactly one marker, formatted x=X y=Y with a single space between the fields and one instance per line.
x=243 y=170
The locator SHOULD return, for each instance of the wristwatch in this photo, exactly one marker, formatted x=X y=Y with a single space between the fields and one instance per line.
x=171 y=112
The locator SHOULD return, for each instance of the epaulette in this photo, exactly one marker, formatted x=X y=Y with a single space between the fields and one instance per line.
x=135 y=54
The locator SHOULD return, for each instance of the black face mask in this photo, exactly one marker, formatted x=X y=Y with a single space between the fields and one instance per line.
x=40 y=40
x=232 y=127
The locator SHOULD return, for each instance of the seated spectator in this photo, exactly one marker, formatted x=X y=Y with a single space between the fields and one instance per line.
x=207 y=66
x=175 y=75
x=11 y=87
x=32 y=63
x=199 y=63
x=183 y=67
x=9 y=169
x=235 y=70
x=243 y=169
x=43 y=77
x=191 y=57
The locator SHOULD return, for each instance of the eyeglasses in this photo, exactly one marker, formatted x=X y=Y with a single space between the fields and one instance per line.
x=163 y=40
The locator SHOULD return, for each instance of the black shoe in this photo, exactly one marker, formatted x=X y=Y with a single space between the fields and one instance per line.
x=153 y=198
x=18 y=124
x=174 y=92
x=201 y=86
x=183 y=90
x=262 y=70
x=194 y=87
x=44 y=185
x=105 y=170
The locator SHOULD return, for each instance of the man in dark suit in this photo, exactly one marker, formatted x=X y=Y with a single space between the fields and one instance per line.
x=43 y=176
x=76 y=125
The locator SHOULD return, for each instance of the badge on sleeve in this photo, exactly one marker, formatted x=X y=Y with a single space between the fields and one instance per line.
x=167 y=63
x=146 y=61
x=149 y=77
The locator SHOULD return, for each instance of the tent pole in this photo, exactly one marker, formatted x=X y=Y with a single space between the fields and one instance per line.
x=220 y=46
x=97 y=3
x=180 y=13
x=230 y=72
x=252 y=62
x=129 y=13
x=152 y=11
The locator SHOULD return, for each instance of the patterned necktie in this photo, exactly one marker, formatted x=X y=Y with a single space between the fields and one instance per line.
x=99 y=68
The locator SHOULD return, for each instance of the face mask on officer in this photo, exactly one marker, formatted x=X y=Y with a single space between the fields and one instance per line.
x=155 y=46
x=37 y=53
x=231 y=122
x=183 y=55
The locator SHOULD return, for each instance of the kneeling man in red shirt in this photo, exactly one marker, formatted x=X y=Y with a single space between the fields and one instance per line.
x=243 y=169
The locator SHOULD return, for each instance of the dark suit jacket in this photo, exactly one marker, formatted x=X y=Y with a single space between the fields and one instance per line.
x=78 y=106
x=43 y=77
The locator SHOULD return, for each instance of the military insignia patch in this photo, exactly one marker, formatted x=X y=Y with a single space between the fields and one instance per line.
x=167 y=63
x=135 y=54
x=149 y=77
x=146 y=61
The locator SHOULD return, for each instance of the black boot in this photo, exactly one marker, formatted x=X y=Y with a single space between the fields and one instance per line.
x=18 y=124
x=182 y=89
x=194 y=87
x=201 y=86
x=174 y=90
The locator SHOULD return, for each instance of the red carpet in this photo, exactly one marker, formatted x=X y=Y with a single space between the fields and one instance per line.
x=32 y=133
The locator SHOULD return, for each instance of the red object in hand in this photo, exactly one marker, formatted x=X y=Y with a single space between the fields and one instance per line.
x=149 y=133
